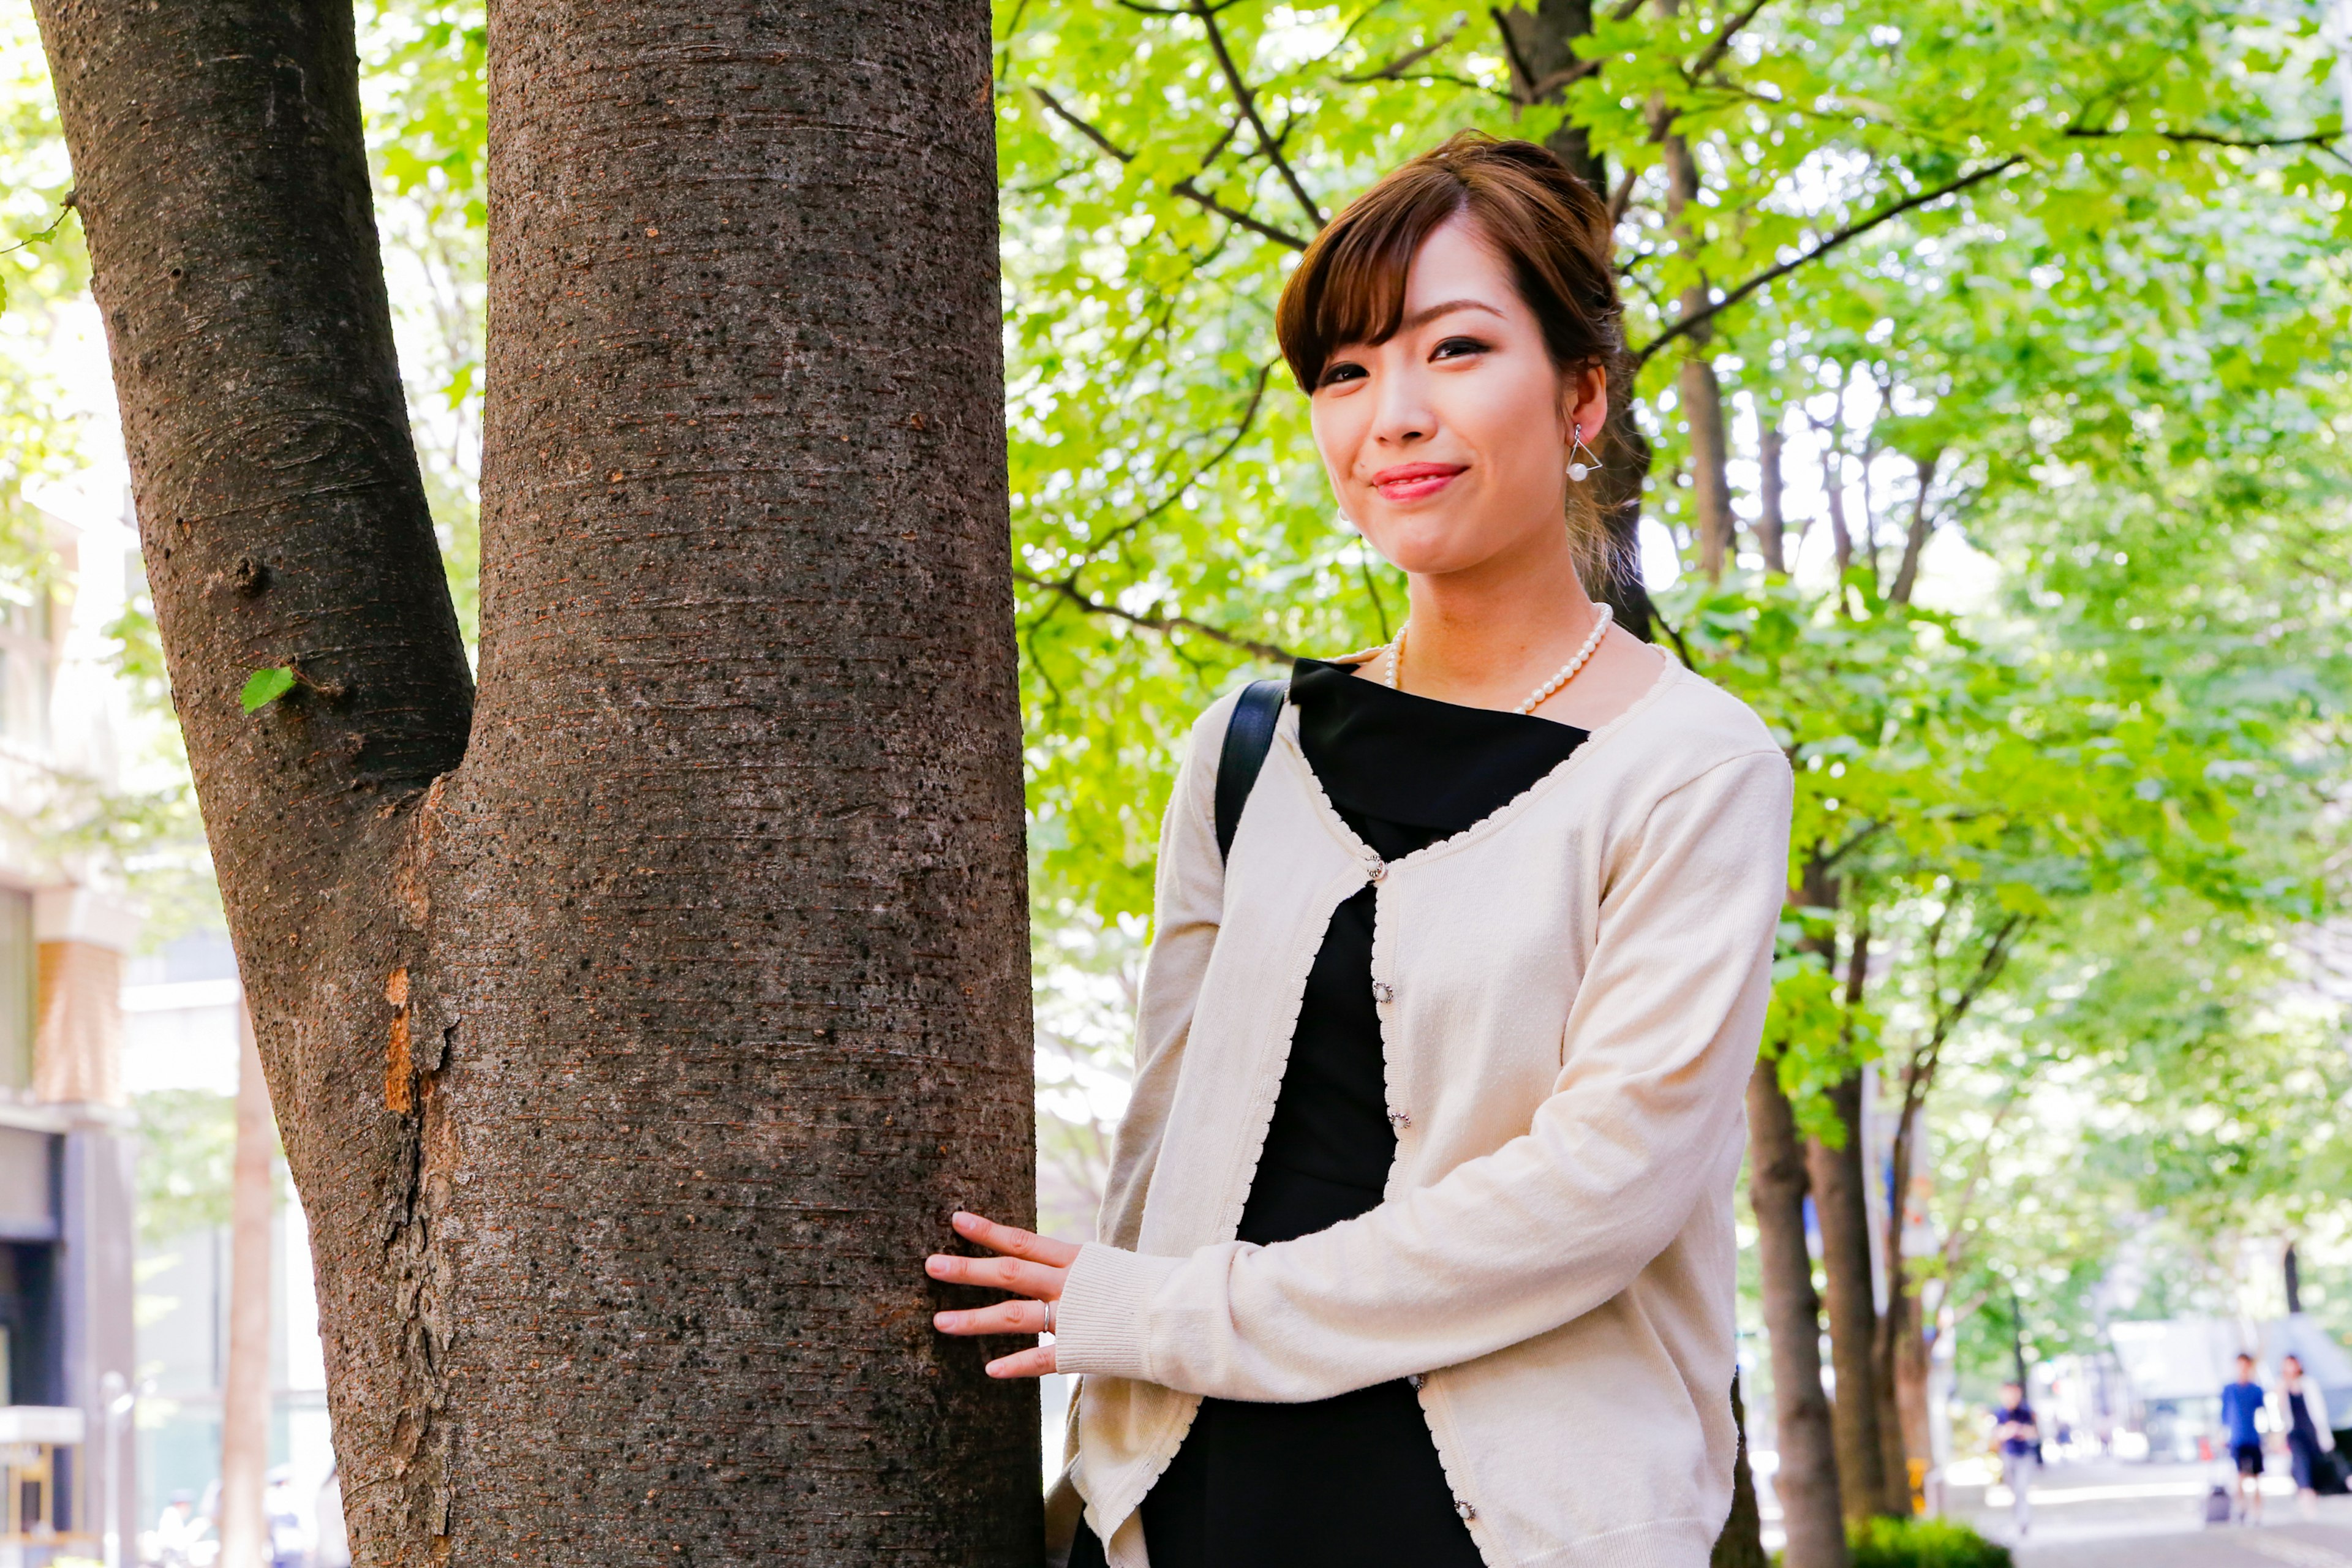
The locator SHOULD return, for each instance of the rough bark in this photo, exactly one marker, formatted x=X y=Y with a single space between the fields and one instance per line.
x=1840 y=1203
x=244 y=1394
x=1771 y=525
x=627 y=1068
x=1807 y=1481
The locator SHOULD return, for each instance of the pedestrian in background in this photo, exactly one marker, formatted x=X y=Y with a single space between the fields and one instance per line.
x=2020 y=1437
x=2310 y=1441
x=2242 y=1409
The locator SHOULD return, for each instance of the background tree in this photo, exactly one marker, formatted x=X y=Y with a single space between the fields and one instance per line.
x=635 y=1021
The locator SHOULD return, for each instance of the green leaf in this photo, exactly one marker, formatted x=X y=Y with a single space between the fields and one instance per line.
x=264 y=687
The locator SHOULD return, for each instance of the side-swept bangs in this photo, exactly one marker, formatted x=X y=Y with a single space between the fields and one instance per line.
x=1544 y=221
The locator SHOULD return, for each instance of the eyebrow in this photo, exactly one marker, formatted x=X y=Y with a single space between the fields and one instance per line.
x=1424 y=317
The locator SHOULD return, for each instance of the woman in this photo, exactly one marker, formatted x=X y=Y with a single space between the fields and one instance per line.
x=1418 y=1245
x=2310 y=1441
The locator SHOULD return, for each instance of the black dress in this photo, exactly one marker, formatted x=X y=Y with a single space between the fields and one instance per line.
x=1354 y=1480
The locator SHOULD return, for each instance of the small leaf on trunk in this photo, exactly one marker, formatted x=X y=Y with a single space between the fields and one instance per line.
x=264 y=687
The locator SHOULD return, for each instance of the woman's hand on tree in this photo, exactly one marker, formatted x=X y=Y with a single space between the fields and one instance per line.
x=1033 y=1267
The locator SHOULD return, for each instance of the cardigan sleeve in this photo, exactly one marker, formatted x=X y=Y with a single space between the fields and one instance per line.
x=1187 y=902
x=1660 y=1041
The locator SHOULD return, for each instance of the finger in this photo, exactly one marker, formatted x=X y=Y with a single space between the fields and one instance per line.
x=998 y=1273
x=1015 y=1242
x=1004 y=1317
x=1035 y=1363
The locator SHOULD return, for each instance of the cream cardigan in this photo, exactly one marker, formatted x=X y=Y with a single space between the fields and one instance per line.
x=1571 y=995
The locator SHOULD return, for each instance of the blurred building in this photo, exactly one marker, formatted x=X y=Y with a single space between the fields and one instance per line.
x=180 y=1056
x=112 y=1342
x=67 y=1337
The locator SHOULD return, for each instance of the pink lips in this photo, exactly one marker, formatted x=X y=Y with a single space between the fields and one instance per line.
x=1411 y=481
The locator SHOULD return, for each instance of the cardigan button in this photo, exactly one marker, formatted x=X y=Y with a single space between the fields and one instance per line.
x=1378 y=870
x=1383 y=993
x=1400 y=1118
x=1467 y=1511
x=1416 y=1379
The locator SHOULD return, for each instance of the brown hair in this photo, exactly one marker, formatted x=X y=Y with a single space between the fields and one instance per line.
x=1542 y=220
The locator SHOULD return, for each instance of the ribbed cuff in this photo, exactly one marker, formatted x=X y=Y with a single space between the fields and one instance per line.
x=1099 y=1324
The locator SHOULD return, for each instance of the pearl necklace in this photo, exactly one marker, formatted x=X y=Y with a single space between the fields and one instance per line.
x=1566 y=673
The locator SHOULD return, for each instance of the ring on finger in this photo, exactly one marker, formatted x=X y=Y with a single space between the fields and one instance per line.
x=1049 y=1315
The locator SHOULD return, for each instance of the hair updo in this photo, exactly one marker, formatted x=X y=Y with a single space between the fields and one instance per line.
x=1541 y=220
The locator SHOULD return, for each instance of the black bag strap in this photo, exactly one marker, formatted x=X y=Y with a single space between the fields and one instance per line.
x=1248 y=737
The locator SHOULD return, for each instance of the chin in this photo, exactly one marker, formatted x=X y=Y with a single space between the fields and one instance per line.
x=1428 y=547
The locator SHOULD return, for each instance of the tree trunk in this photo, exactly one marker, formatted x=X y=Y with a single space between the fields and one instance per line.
x=1806 y=1481
x=1771 y=526
x=1701 y=392
x=1542 y=44
x=1541 y=41
x=629 y=1068
x=1910 y=1377
x=1840 y=1203
x=244 y=1394
x=1895 y=1456
x=1915 y=538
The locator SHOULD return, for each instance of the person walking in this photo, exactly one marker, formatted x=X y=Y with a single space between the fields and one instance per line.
x=2310 y=1441
x=2019 y=1437
x=1417 y=1248
x=2242 y=1409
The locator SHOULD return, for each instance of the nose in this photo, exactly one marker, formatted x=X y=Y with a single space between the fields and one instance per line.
x=1403 y=415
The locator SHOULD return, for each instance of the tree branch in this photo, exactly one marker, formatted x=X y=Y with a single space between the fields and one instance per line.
x=1183 y=187
x=1394 y=70
x=1686 y=324
x=1248 y=102
x=1192 y=193
x=1241 y=432
x=1084 y=128
x=1068 y=588
x=1721 y=43
x=2214 y=138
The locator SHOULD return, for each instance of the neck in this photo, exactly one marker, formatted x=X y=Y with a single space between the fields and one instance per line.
x=1485 y=633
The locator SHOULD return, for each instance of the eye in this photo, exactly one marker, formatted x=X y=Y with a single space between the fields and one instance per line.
x=1339 y=372
x=1459 y=348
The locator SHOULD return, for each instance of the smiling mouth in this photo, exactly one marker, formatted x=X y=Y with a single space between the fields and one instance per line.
x=1411 y=482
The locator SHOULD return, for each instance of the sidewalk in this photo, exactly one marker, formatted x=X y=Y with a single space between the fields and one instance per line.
x=2104 y=1514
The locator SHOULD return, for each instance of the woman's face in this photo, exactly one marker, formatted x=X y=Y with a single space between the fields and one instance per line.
x=1447 y=444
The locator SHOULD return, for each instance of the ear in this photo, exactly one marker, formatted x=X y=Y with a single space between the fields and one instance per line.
x=1584 y=405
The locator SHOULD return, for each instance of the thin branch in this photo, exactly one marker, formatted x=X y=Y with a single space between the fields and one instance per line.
x=1183 y=187
x=1622 y=196
x=1521 y=71
x=2214 y=138
x=1855 y=840
x=1686 y=325
x=1069 y=117
x=1537 y=90
x=1241 y=433
x=1721 y=43
x=1192 y=193
x=1248 y=102
x=65 y=210
x=1150 y=621
x=1395 y=70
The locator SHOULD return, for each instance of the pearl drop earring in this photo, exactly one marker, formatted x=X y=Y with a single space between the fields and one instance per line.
x=1578 y=467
